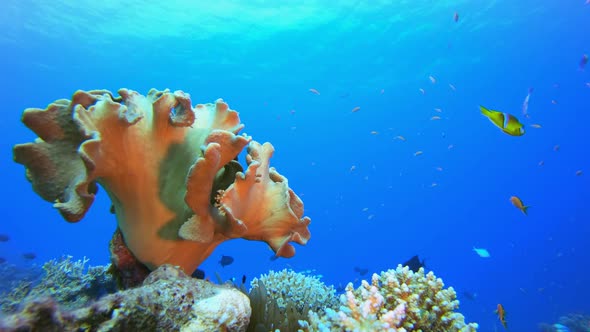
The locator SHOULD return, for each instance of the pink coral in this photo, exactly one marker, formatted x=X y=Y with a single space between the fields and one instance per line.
x=169 y=169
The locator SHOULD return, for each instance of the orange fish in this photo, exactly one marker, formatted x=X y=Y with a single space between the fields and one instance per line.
x=501 y=315
x=518 y=203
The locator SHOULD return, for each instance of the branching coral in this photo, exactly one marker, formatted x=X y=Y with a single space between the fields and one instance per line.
x=169 y=169
x=396 y=300
x=71 y=283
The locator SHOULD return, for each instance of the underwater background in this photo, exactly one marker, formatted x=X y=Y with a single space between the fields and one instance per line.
x=346 y=92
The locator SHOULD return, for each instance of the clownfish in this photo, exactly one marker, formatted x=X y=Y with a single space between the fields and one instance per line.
x=501 y=315
x=508 y=123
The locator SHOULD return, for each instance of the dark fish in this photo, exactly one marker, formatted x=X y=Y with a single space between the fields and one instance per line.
x=469 y=295
x=112 y=210
x=226 y=260
x=198 y=274
x=4 y=238
x=29 y=255
x=243 y=279
x=456 y=17
x=584 y=61
x=414 y=263
x=361 y=271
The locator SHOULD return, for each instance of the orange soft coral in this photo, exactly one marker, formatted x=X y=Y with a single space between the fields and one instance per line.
x=169 y=169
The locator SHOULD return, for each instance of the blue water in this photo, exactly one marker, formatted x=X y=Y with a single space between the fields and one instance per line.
x=373 y=203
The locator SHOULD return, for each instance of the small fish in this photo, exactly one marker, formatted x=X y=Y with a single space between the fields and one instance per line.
x=451 y=146
x=422 y=91
x=588 y=84
x=556 y=148
x=414 y=263
x=226 y=260
x=536 y=125
x=374 y=132
x=361 y=271
x=400 y=137
x=517 y=202
x=436 y=117
x=292 y=111
x=508 y=123
x=198 y=274
x=352 y=168
x=4 y=238
x=438 y=110
x=456 y=17
x=501 y=315
x=432 y=79
x=356 y=109
x=382 y=91
x=452 y=87
x=579 y=172
x=433 y=184
x=440 y=169
x=525 y=103
x=560 y=327
x=482 y=252
x=472 y=296
x=418 y=153
x=541 y=163
x=314 y=91
x=583 y=61
x=29 y=255
x=554 y=102
x=243 y=279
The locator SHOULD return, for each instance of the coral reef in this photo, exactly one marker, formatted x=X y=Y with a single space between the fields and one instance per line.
x=281 y=299
x=576 y=322
x=169 y=170
x=69 y=282
x=396 y=300
x=169 y=300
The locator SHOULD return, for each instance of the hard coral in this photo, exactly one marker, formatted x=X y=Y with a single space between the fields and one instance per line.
x=397 y=300
x=71 y=283
x=169 y=169
x=168 y=300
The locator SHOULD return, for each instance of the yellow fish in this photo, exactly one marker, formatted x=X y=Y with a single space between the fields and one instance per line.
x=508 y=123
x=517 y=202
